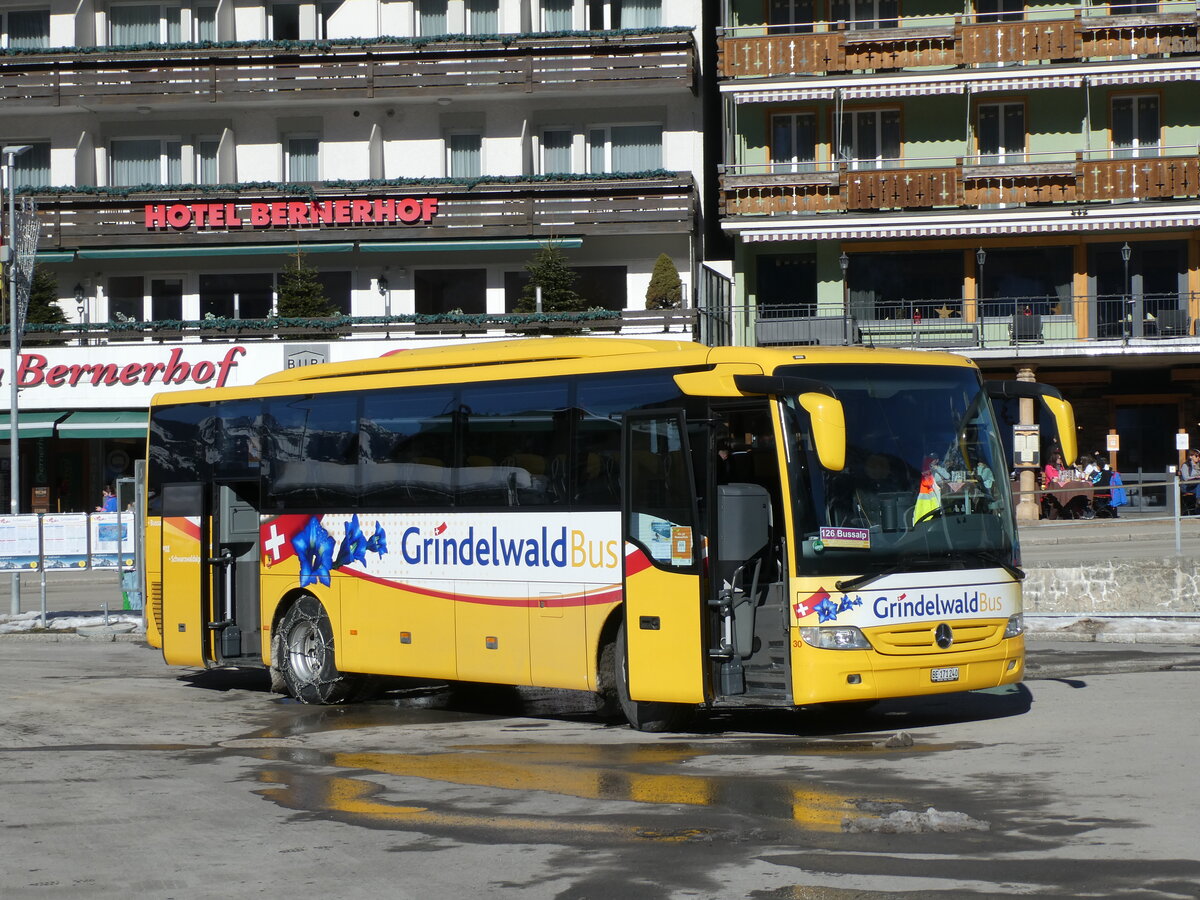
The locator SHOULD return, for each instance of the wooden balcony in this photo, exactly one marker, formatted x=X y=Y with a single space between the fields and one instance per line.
x=963 y=185
x=955 y=41
x=504 y=208
x=260 y=71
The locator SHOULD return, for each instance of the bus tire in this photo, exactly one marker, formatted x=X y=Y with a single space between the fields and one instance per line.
x=644 y=715
x=307 y=659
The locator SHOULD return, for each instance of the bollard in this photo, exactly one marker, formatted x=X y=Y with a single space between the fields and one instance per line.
x=1178 y=513
x=104 y=606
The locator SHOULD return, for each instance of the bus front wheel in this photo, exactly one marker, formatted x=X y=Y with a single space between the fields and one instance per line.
x=642 y=714
x=306 y=639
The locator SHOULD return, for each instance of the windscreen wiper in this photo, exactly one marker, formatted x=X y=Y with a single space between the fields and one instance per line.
x=991 y=556
x=853 y=584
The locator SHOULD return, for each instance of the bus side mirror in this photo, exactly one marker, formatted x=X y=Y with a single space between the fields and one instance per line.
x=1064 y=417
x=828 y=429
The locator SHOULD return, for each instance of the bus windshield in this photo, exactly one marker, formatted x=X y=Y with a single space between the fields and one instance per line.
x=925 y=483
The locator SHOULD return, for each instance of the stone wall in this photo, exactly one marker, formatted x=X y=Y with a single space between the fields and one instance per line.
x=1142 y=586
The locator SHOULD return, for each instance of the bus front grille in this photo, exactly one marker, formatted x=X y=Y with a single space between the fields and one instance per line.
x=920 y=637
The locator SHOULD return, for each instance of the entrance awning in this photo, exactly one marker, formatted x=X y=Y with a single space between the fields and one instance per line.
x=32 y=424
x=122 y=424
x=210 y=250
x=472 y=246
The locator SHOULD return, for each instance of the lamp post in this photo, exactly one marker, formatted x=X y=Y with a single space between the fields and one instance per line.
x=1127 y=304
x=382 y=284
x=844 y=262
x=10 y=153
x=980 y=259
x=82 y=310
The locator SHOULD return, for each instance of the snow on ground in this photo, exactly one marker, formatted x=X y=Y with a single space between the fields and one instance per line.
x=58 y=622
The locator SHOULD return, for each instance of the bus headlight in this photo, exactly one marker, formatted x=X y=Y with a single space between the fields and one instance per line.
x=841 y=637
x=1015 y=626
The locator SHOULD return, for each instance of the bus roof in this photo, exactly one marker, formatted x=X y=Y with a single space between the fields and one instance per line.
x=610 y=354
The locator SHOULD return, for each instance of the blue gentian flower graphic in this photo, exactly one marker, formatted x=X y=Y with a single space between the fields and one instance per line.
x=846 y=605
x=826 y=611
x=314 y=549
x=377 y=543
x=354 y=545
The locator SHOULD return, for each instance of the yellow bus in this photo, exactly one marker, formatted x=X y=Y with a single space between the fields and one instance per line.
x=670 y=526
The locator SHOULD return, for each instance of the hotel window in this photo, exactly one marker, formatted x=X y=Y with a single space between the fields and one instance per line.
x=27 y=29
x=556 y=151
x=285 y=21
x=1135 y=126
x=32 y=168
x=241 y=296
x=301 y=158
x=137 y=161
x=863 y=15
x=870 y=139
x=625 y=148
x=999 y=10
x=204 y=23
x=790 y=16
x=483 y=16
x=439 y=291
x=464 y=155
x=432 y=17
x=558 y=15
x=1001 y=133
x=166 y=299
x=144 y=24
x=793 y=142
x=207 y=169
x=604 y=15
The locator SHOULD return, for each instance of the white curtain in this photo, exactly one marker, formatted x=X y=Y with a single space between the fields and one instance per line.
x=641 y=13
x=558 y=15
x=206 y=23
x=32 y=168
x=465 y=155
x=206 y=161
x=556 y=152
x=431 y=17
x=302 y=159
x=28 y=29
x=133 y=24
x=484 y=16
x=136 y=161
x=636 y=148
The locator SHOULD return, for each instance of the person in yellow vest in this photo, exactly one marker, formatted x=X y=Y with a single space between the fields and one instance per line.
x=929 y=495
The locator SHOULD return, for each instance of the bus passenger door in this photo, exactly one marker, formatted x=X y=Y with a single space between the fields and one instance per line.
x=235 y=571
x=185 y=582
x=663 y=551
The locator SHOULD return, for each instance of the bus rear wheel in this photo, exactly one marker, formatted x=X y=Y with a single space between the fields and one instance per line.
x=307 y=660
x=642 y=714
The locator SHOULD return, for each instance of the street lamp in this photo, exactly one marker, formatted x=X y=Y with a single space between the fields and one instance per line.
x=82 y=310
x=1127 y=305
x=10 y=153
x=980 y=259
x=844 y=262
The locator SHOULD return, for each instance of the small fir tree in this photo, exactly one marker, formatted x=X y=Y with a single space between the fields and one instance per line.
x=43 y=299
x=301 y=294
x=549 y=270
x=666 y=288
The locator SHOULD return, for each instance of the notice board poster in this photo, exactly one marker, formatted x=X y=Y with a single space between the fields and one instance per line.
x=112 y=540
x=19 y=542
x=65 y=540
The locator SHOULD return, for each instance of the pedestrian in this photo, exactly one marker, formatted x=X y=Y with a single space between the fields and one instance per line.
x=1189 y=481
x=108 y=500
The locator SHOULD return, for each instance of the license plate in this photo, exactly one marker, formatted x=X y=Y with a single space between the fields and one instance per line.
x=949 y=673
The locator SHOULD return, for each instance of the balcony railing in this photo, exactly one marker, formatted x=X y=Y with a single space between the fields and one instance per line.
x=956 y=40
x=505 y=207
x=256 y=71
x=1155 y=321
x=783 y=189
x=682 y=322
